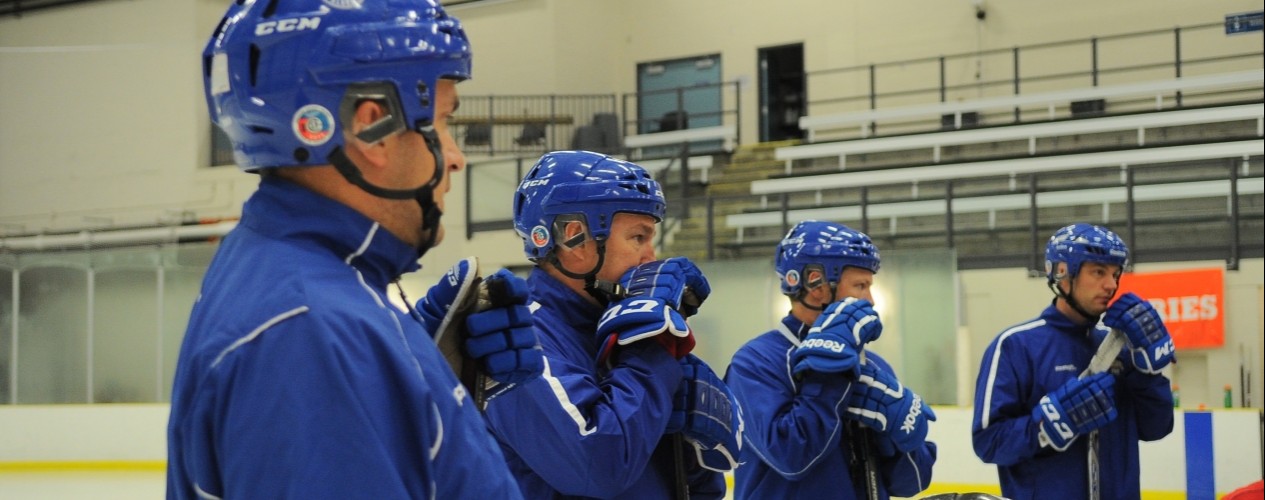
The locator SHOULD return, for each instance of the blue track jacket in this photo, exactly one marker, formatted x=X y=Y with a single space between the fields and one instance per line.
x=796 y=443
x=1032 y=359
x=298 y=379
x=578 y=431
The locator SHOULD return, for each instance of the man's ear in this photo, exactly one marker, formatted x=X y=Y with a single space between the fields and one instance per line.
x=817 y=287
x=574 y=237
x=367 y=113
x=1061 y=270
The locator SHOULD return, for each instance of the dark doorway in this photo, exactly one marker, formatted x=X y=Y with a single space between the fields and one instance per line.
x=783 y=92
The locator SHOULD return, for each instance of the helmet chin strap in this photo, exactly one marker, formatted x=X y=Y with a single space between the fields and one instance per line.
x=423 y=195
x=601 y=290
x=1071 y=301
x=810 y=306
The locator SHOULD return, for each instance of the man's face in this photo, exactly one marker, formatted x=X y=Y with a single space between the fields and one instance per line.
x=1095 y=284
x=631 y=243
x=856 y=283
x=416 y=165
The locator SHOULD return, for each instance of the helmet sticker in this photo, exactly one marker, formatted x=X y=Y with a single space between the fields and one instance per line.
x=792 y=278
x=539 y=236
x=344 y=4
x=313 y=124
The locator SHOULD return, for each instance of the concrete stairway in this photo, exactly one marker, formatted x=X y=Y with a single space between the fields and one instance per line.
x=728 y=192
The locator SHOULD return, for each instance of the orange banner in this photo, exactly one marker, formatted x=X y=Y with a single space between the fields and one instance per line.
x=1190 y=302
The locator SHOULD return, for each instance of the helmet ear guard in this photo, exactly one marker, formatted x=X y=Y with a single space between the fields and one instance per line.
x=560 y=231
x=381 y=92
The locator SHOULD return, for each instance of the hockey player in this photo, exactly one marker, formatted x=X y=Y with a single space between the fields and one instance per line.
x=806 y=385
x=619 y=381
x=297 y=377
x=1033 y=406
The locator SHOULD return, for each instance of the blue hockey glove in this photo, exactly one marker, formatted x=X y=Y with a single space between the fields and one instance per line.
x=437 y=308
x=654 y=290
x=676 y=281
x=880 y=402
x=501 y=335
x=705 y=411
x=834 y=340
x=1150 y=345
x=1079 y=406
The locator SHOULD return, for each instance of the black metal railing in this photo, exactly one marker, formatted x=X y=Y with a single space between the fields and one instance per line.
x=1221 y=227
x=498 y=125
x=728 y=109
x=1089 y=62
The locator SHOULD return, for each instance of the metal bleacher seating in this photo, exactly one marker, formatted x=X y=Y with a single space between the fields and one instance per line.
x=815 y=125
x=1188 y=159
x=1140 y=122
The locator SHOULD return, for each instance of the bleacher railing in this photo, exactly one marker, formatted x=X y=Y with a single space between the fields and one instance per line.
x=1128 y=57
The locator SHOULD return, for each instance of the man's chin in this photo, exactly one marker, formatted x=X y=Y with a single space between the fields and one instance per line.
x=439 y=236
x=424 y=238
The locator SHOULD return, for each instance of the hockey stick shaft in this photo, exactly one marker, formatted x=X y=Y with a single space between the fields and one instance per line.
x=1101 y=362
x=868 y=462
x=678 y=455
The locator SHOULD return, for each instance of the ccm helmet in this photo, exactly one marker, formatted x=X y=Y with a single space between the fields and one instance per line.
x=825 y=245
x=282 y=76
x=579 y=185
x=1080 y=243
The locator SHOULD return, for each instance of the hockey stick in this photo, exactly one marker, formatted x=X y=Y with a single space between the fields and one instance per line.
x=868 y=463
x=678 y=440
x=1102 y=361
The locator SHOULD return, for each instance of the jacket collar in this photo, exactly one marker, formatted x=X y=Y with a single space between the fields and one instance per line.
x=1058 y=321
x=283 y=210
x=795 y=326
x=572 y=307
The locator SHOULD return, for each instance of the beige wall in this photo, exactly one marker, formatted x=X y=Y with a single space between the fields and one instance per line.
x=104 y=124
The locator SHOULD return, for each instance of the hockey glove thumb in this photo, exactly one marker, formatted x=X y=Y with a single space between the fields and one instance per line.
x=437 y=308
x=501 y=335
x=1081 y=405
x=1150 y=345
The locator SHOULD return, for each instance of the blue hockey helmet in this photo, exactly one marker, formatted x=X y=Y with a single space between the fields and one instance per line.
x=828 y=245
x=581 y=185
x=281 y=75
x=1080 y=243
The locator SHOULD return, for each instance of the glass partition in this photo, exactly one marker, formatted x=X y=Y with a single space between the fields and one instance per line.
x=53 y=334
x=100 y=326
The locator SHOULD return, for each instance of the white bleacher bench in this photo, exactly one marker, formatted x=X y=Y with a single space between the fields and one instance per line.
x=1010 y=167
x=812 y=124
x=728 y=134
x=703 y=164
x=1031 y=132
x=995 y=203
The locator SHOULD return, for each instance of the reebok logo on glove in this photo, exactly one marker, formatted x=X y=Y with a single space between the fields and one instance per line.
x=911 y=419
x=832 y=345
